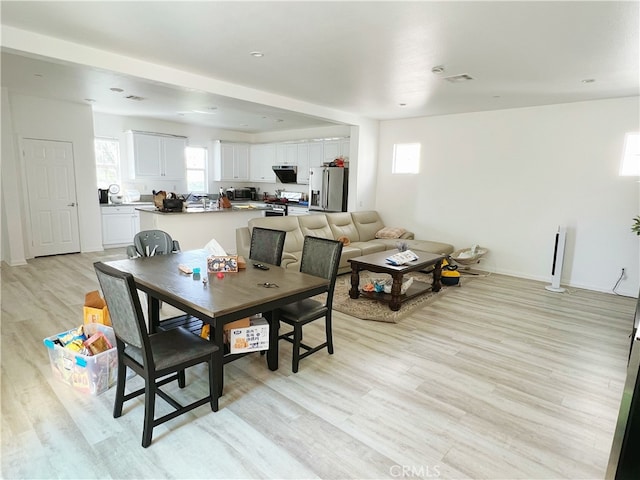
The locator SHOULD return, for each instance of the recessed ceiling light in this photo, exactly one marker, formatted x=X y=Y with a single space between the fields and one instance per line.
x=589 y=80
x=279 y=120
x=463 y=77
x=496 y=96
x=437 y=70
x=402 y=104
x=256 y=54
x=116 y=89
x=38 y=75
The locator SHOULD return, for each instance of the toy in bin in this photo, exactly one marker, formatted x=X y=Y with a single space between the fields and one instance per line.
x=450 y=274
x=84 y=357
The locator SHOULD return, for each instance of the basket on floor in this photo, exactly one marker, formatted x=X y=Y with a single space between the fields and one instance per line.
x=466 y=256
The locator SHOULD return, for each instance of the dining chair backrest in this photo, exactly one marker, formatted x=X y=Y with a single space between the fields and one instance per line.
x=267 y=245
x=152 y=242
x=321 y=257
x=122 y=299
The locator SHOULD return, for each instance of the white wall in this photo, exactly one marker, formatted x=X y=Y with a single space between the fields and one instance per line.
x=46 y=119
x=506 y=179
x=12 y=202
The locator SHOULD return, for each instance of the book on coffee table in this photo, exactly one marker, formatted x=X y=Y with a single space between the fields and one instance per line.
x=401 y=258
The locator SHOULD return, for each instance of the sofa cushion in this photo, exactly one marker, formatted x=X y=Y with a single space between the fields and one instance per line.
x=369 y=247
x=341 y=225
x=348 y=253
x=390 y=232
x=367 y=223
x=315 y=226
x=421 y=245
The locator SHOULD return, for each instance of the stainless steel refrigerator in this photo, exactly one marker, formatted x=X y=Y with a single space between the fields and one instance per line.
x=328 y=189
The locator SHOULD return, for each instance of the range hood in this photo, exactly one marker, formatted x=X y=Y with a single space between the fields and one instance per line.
x=286 y=173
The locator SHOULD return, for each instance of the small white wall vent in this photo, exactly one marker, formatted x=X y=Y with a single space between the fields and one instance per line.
x=463 y=77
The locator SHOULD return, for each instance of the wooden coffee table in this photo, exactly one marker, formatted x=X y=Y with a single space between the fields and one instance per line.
x=376 y=262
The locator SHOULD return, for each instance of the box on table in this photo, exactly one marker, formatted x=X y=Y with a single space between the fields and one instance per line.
x=87 y=373
x=253 y=338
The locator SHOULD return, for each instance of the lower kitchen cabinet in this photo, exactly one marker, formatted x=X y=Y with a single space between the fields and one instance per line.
x=119 y=225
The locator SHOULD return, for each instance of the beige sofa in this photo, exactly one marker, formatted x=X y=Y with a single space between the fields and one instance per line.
x=359 y=227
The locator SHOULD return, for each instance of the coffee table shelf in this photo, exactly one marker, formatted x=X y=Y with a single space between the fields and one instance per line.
x=412 y=292
x=376 y=262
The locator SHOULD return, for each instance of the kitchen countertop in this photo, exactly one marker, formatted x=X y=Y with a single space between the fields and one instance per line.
x=127 y=204
x=199 y=209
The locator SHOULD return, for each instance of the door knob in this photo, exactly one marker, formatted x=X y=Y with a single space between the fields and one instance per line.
x=72 y=204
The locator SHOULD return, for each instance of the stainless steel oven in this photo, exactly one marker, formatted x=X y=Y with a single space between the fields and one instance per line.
x=276 y=211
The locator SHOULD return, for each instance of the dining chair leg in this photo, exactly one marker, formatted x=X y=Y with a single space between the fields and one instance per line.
x=119 y=401
x=149 y=411
x=181 y=379
x=213 y=387
x=297 y=340
x=327 y=327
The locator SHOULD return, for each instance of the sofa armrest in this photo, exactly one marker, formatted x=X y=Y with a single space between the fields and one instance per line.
x=243 y=241
x=407 y=236
x=288 y=258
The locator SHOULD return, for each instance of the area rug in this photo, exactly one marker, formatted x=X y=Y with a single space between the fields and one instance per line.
x=369 y=309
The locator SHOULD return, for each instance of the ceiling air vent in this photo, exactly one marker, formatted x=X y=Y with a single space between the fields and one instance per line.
x=134 y=97
x=463 y=77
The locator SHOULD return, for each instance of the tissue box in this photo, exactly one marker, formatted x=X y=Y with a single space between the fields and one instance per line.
x=253 y=338
x=92 y=374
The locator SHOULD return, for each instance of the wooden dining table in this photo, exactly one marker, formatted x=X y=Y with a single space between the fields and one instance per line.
x=220 y=299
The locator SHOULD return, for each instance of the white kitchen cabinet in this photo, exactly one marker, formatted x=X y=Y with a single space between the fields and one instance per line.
x=262 y=157
x=231 y=161
x=345 y=147
x=336 y=148
x=119 y=225
x=157 y=157
x=287 y=154
x=309 y=155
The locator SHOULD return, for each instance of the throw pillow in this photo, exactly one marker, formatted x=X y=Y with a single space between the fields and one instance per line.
x=390 y=232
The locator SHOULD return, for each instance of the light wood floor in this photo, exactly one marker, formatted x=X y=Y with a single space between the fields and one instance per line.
x=497 y=379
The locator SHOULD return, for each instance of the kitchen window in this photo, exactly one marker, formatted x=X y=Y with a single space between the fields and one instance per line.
x=196 y=169
x=107 y=161
x=406 y=158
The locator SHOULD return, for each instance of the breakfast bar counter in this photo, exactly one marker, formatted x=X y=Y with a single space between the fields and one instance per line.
x=194 y=227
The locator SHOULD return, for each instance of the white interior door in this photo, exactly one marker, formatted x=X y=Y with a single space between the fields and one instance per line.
x=52 y=197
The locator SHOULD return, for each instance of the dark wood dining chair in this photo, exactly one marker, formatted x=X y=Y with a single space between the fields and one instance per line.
x=164 y=354
x=267 y=245
x=320 y=257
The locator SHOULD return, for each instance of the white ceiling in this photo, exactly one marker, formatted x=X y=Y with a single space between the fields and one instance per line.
x=364 y=58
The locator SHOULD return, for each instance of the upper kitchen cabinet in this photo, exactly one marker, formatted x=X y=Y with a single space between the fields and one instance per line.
x=287 y=153
x=309 y=155
x=157 y=157
x=262 y=157
x=336 y=148
x=231 y=161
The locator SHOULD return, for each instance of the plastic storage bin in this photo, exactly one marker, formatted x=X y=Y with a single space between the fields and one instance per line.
x=90 y=374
